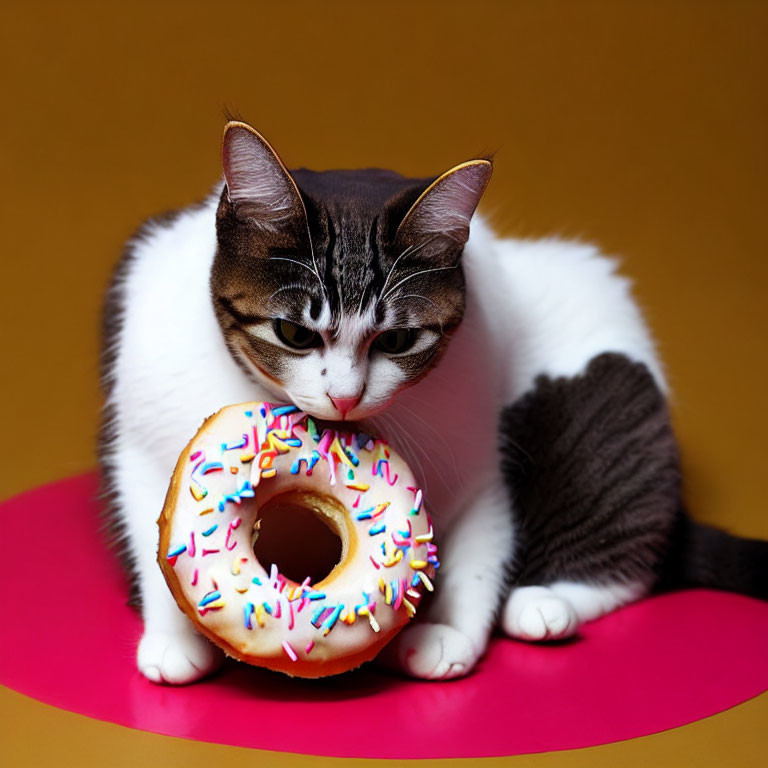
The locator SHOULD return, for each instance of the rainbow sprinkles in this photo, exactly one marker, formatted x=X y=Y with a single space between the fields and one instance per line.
x=245 y=455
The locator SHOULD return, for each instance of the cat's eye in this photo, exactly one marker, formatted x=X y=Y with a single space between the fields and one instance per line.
x=396 y=341
x=296 y=336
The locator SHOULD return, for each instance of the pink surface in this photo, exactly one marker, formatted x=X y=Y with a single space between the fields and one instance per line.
x=67 y=638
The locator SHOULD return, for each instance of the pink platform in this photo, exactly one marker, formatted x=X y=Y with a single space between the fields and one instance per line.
x=68 y=639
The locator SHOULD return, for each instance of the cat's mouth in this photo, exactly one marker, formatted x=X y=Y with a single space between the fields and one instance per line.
x=347 y=425
x=331 y=411
x=324 y=420
x=353 y=421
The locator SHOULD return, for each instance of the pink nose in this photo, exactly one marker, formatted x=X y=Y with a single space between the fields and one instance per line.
x=344 y=404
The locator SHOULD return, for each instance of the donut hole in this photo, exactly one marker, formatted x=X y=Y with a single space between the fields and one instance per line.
x=303 y=533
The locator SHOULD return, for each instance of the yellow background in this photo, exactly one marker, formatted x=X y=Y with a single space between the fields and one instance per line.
x=639 y=126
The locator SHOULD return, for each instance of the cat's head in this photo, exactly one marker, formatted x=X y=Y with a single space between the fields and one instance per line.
x=338 y=289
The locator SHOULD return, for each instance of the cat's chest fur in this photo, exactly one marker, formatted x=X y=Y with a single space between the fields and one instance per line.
x=531 y=308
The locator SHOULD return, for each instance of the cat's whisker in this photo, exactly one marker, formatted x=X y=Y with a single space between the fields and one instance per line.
x=414 y=445
x=416 y=274
x=401 y=255
x=301 y=264
x=406 y=447
x=360 y=305
x=314 y=262
x=409 y=251
x=418 y=296
x=415 y=296
x=292 y=286
x=439 y=438
x=432 y=462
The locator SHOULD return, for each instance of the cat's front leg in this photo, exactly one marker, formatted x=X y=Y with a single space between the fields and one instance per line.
x=170 y=650
x=475 y=551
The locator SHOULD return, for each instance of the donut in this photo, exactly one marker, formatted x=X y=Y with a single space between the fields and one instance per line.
x=301 y=548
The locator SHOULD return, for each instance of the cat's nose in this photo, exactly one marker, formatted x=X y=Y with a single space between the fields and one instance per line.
x=344 y=404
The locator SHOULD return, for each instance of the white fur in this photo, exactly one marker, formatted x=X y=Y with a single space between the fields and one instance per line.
x=532 y=308
x=556 y=611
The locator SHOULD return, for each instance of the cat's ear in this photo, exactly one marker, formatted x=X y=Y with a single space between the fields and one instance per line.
x=258 y=184
x=445 y=208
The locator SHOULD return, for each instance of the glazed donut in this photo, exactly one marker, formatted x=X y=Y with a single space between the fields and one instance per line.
x=253 y=484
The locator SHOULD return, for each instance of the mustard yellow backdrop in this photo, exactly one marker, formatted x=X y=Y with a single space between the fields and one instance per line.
x=637 y=125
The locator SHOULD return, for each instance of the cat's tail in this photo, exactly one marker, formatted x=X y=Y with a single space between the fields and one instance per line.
x=702 y=556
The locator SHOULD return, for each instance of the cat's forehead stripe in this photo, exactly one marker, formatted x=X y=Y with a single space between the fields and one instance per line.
x=353 y=329
x=351 y=259
x=317 y=315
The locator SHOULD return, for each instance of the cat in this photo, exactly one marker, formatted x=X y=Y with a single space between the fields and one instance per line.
x=517 y=377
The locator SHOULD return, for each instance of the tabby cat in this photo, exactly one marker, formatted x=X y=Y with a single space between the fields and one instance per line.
x=517 y=378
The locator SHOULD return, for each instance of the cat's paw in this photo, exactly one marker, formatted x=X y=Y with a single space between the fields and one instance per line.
x=536 y=613
x=432 y=652
x=177 y=659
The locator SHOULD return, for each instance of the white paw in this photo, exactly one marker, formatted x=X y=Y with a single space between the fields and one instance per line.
x=432 y=652
x=177 y=658
x=536 y=613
